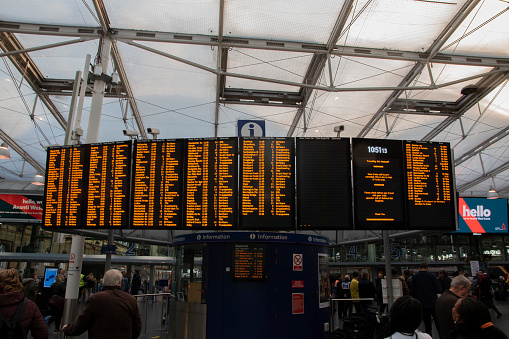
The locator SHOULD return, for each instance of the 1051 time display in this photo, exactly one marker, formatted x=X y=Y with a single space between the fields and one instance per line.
x=377 y=149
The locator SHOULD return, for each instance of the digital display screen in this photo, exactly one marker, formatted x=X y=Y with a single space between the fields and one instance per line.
x=324 y=188
x=430 y=187
x=211 y=183
x=108 y=189
x=379 y=197
x=481 y=215
x=64 y=189
x=157 y=184
x=49 y=276
x=267 y=184
x=249 y=262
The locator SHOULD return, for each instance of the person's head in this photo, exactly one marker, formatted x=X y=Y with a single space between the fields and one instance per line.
x=355 y=275
x=365 y=275
x=112 y=277
x=501 y=278
x=31 y=275
x=59 y=277
x=461 y=286
x=9 y=281
x=479 y=273
x=347 y=277
x=124 y=274
x=394 y=271
x=442 y=273
x=407 y=273
x=423 y=266
x=405 y=315
x=475 y=317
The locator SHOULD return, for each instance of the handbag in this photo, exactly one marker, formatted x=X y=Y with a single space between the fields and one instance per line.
x=57 y=301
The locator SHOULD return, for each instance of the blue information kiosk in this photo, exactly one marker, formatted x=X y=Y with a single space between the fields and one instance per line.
x=252 y=285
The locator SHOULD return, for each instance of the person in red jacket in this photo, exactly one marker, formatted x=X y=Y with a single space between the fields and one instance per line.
x=108 y=314
x=11 y=296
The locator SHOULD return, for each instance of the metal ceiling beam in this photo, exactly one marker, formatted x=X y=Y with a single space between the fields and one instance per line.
x=482 y=146
x=18 y=149
x=484 y=177
x=253 y=43
x=119 y=66
x=28 y=69
x=317 y=64
x=419 y=66
x=483 y=88
x=222 y=66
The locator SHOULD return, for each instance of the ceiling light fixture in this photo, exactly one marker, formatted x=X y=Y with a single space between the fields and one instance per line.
x=38 y=180
x=4 y=151
x=492 y=194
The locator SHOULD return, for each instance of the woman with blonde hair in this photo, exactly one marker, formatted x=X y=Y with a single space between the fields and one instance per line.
x=12 y=297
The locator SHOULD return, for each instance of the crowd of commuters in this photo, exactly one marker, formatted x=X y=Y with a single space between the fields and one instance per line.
x=110 y=313
x=451 y=304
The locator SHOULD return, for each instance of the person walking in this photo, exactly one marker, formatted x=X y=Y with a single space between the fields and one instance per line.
x=425 y=287
x=89 y=285
x=486 y=293
x=444 y=279
x=136 y=283
x=366 y=290
x=110 y=313
x=345 y=286
x=30 y=287
x=460 y=288
x=57 y=300
x=12 y=297
x=354 y=291
x=125 y=283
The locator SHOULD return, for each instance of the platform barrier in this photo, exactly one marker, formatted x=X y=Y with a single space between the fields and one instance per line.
x=153 y=300
x=335 y=302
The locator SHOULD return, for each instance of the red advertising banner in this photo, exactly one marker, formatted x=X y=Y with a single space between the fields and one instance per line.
x=17 y=207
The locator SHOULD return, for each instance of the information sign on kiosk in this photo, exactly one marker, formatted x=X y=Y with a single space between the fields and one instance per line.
x=49 y=276
x=379 y=198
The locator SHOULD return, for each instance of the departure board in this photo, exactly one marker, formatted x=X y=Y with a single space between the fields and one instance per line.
x=249 y=262
x=430 y=186
x=267 y=184
x=157 y=184
x=64 y=188
x=324 y=186
x=211 y=183
x=108 y=189
x=379 y=196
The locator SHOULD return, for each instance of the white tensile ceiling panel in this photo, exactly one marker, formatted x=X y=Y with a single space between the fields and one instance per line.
x=195 y=16
x=399 y=25
x=484 y=31
x=174 y=97
x=310 y=21
x=56 y=12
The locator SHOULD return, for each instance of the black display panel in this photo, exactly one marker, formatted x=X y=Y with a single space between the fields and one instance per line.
x=249 y=262
x=64 y=188
x=267 y=184
x=430 y=186
x=324 y=184
x=108 y=188
x=211 y=183
x=379 y=196
x=157 y=184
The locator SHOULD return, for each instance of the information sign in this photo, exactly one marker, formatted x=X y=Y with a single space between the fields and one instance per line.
x=211 y=183
x=378 y=184
x=249 y=262
x=324 y=189
x=430 y=186
x=157 y=184
x=267 y=184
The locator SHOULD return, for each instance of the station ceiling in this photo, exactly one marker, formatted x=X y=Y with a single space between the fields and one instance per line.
x=389 y=69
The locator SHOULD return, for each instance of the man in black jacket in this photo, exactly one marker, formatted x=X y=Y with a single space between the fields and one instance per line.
x=366 y=290
x=460 y=288
x=486 y=293
x=425 y=287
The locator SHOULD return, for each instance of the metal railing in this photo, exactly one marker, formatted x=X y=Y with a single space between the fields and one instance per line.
x=164 y=315
x=337 y=307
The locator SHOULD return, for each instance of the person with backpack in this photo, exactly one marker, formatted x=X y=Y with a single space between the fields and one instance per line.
x=18 y=315
x=30 y=286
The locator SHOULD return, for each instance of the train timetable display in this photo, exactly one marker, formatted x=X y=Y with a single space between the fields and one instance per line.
x=64 y=189
x=157 y=184
x=430 y=191
x=324 y=189
x=108 y=186
x=211 y=183
x=249 y=262
x=267 y=184
x=379 y=197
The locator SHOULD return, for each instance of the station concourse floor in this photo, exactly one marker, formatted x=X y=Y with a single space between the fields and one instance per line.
x=151 y=321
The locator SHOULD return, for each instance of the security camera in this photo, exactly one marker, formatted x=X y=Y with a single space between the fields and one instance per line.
x=340 y=128
x=130 y=133
x=153 y=131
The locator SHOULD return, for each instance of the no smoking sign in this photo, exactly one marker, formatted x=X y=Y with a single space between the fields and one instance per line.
x=297 y=262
